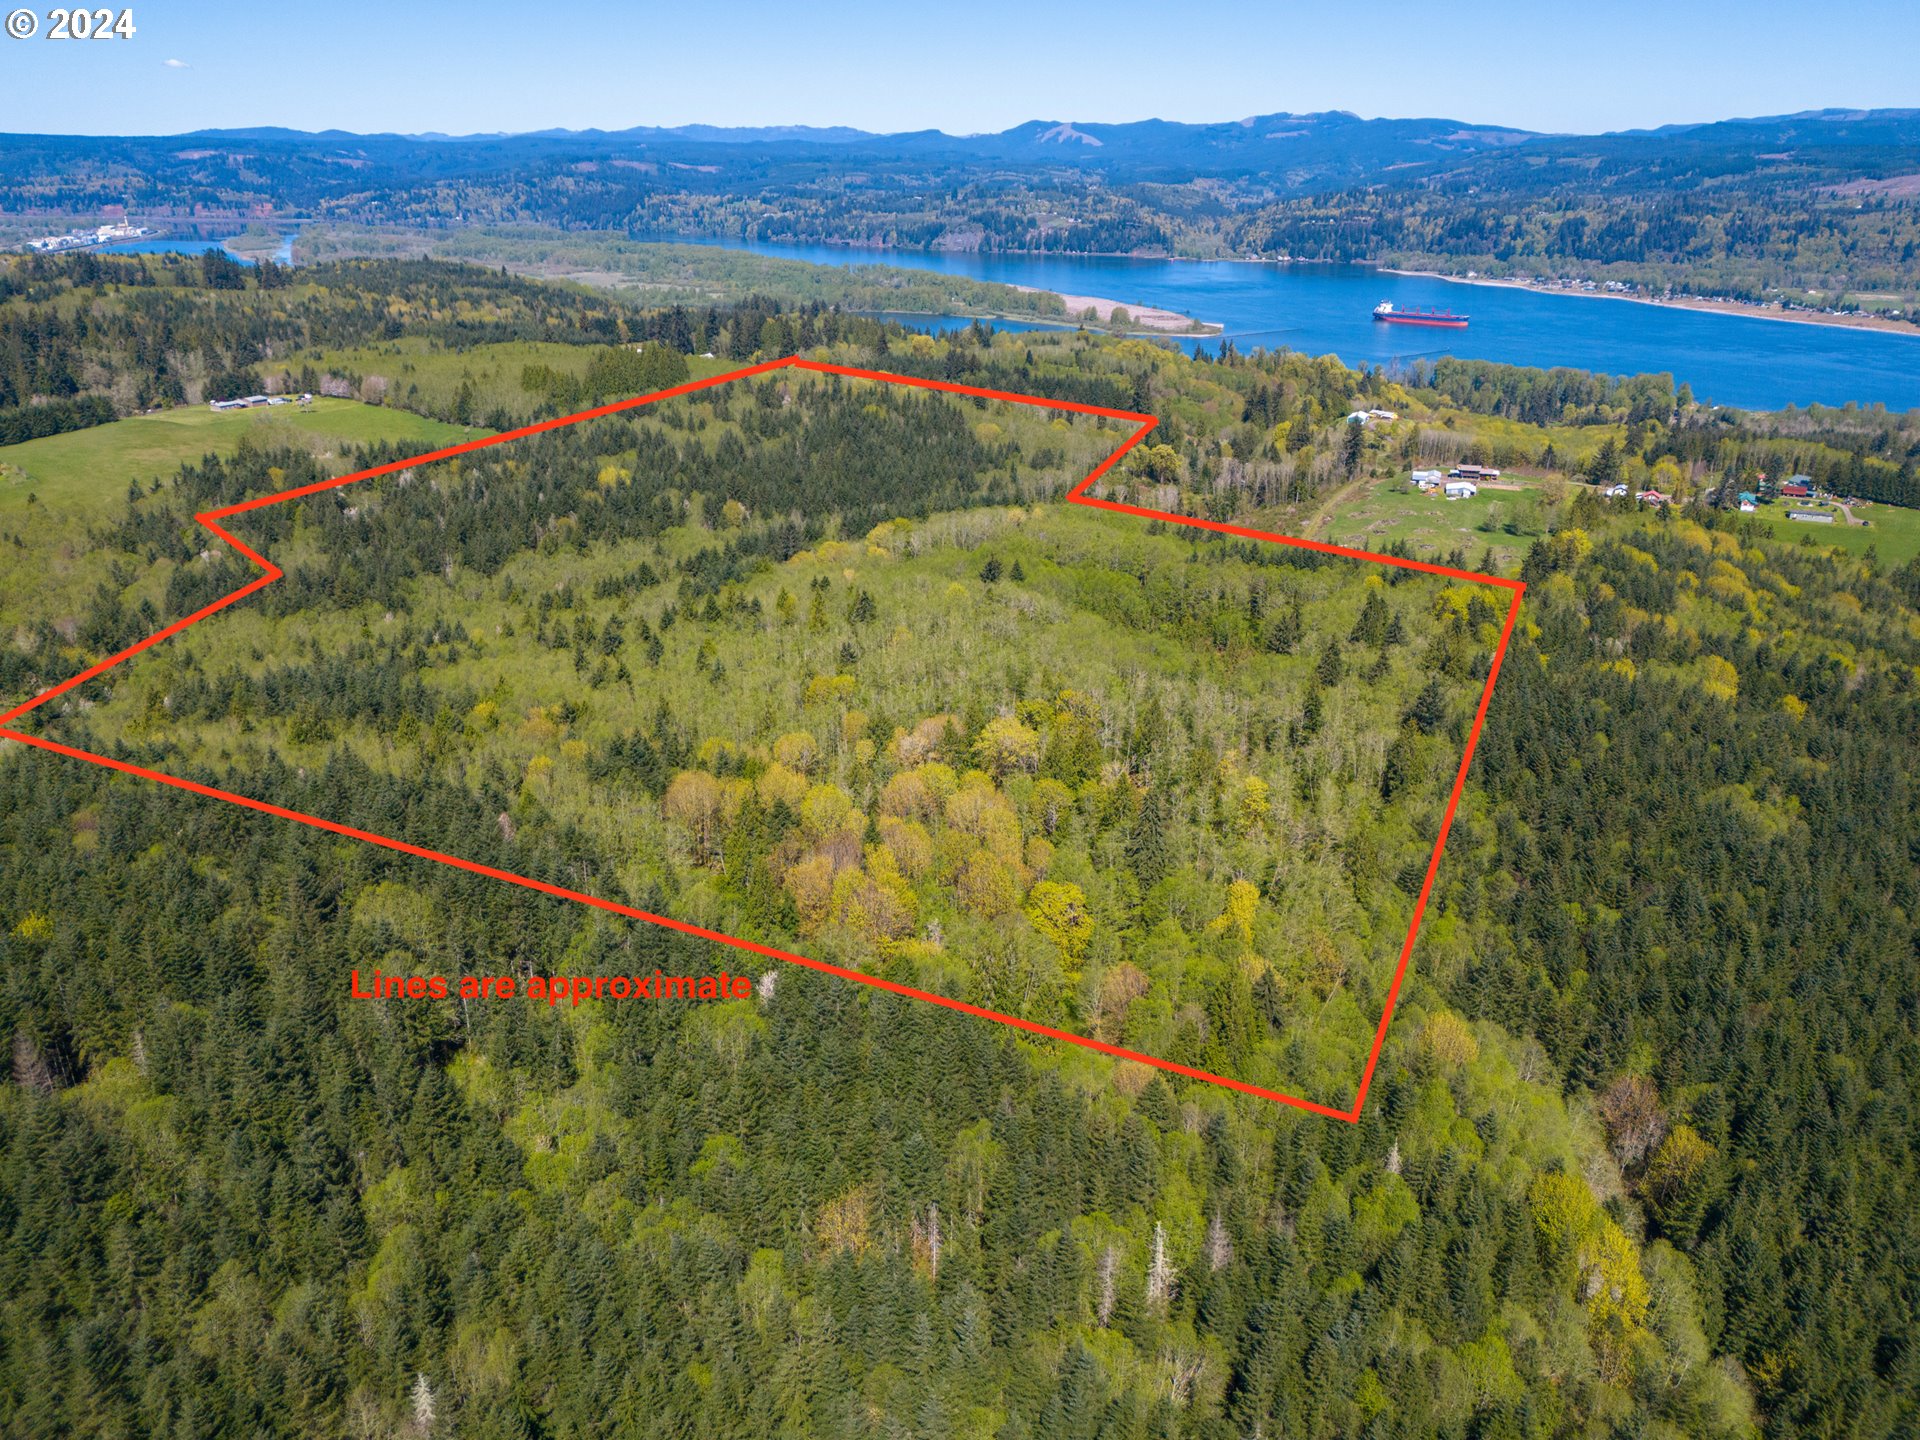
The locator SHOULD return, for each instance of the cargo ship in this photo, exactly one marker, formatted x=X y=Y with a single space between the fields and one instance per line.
x=1444 y=319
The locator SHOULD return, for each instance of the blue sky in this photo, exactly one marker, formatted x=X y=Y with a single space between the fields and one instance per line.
x=410 y=65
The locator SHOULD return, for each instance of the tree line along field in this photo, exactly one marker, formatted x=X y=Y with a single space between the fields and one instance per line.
x=54 y=491
x=87 y=338
x=1636 y=1157
x=81 y=469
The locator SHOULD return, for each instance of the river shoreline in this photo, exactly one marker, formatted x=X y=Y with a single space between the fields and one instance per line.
x=1147 y=319
x=1325 y=308
x=1151 y=320
x=1144 y=320
x=1704 y=304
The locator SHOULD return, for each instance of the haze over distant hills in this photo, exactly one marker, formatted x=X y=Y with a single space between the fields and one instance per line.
x=1310 y=143
x=1154 y=134
x=1300 y=151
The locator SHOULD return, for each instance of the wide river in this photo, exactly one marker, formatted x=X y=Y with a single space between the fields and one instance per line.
x=1326 y=309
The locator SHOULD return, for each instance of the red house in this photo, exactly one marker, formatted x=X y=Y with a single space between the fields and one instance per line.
x=1796 y=492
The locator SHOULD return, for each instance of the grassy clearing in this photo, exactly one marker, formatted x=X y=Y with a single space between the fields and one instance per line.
x=1389 y=511
x=421 y=374
x=89 y=469
x=48 y=562
x=1510 y=520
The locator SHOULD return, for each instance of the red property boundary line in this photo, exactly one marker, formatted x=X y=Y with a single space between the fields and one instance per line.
x=1078 y=495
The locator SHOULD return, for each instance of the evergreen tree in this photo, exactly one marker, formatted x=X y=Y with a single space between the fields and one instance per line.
x=1148 y=853
x=1375 y=618
x=1353 y=446
x=1284 y=635
x=1429 y=710
x=1331 y=665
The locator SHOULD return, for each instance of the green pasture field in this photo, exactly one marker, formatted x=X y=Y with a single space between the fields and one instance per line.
x=90 y=469
x=422 y=374
x=77 y=480
x=1892 y=531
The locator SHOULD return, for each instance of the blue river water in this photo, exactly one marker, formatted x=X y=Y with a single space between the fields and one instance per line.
x=1327 y=310
x=187 y=245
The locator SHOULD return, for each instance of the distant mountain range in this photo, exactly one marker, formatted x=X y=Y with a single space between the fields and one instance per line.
x=698 y=134
x=1256 y=144
x=1259 y=143
x=1160 y=137
x=1285 y=154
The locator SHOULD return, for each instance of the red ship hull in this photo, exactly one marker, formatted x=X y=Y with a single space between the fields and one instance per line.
x=1442 y=322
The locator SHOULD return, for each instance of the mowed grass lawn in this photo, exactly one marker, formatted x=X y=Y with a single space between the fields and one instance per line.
x=86 y=470
x=1893 y=531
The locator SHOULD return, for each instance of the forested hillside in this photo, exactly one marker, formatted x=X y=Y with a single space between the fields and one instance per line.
x=661 y=275
x=826 y=1213
x=84 y=338
x=1813 y=208
x=1694 y=879
x=1175 y=798
x=828 y=665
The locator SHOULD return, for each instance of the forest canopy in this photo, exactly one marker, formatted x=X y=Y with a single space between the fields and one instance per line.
x=1638 y=1153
